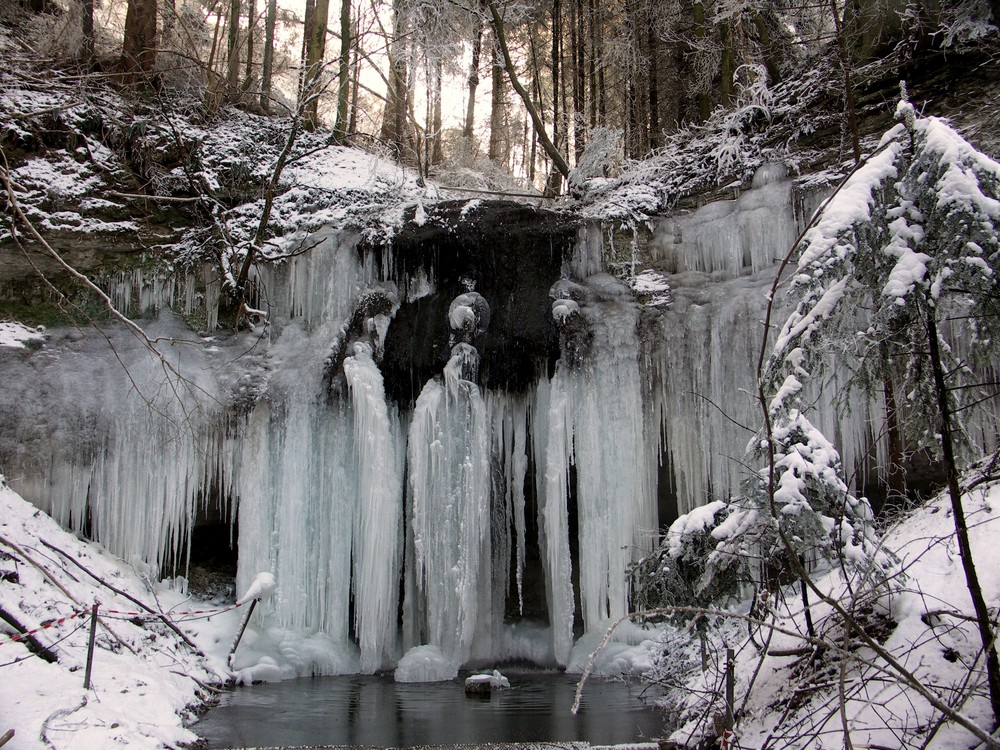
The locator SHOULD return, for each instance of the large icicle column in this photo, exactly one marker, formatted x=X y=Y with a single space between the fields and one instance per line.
x=449 y=480
x=596 y=421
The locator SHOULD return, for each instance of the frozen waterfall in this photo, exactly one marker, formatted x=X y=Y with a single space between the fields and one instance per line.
x=447 y=447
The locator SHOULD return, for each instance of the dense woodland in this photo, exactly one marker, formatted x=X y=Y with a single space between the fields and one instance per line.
x=558 y=74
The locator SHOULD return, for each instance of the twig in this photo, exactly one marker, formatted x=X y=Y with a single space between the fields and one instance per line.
x=43 y=733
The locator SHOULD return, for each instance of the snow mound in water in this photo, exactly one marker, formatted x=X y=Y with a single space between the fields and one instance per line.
x=425 y=664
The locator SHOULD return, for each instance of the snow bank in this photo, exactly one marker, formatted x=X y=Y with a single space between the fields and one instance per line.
x=13 y=335
x=145 y=680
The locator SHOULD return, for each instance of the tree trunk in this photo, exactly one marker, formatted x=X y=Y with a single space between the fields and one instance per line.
x=704 y=103
x=315 y=47
x=727 y=67
x=579 y=80
x=437 y=125
x=139 y=45
x=344 y=72
x=767 y=49
x=233 y=52
x=654 y=86
x=470 y=107
x=248 y=75
x=394 y=118
x=87 y=27
x=34 y=645
x=536 y=88
x=556 y=69
x=551 y=151
x=267 y=69
x=496 y=104
x=961 y=528
x=845 y=65
x=592 y=60
x=352 y=125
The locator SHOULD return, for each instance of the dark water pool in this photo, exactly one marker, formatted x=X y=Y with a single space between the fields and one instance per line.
x=366 y=710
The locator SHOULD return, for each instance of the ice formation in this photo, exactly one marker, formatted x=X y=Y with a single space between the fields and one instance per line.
x=412 y=535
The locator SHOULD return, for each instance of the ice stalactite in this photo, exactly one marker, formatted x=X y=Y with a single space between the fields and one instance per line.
x=298 y=493
x=125 y=449
x=510 y=450
x=615 y=502
x=379 y=511
x=706 y=373
x=554 y=454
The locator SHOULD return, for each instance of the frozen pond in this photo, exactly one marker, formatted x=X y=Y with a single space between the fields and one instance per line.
x=366 y=710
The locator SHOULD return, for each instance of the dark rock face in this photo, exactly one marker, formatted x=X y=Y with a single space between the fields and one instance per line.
x=511 y=254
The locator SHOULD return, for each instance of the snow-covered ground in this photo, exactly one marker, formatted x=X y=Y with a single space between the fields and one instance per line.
x=795 y=699
x=146 y=683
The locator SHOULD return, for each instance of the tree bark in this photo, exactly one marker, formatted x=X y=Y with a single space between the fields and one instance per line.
x=767 y=49
x=139 y=44
x=551 y=151
x=87 y=27
x=961 y=527
x=845 y=65
x=579 y=80
x=352 y=124
x=33 y=644
x=437 y=124
x=315 y=48
x=698 y=14
x=470 y=106
x=557 y=136
x=394 y=123
x=727 y=67
x=248 y=75
x=654 y=86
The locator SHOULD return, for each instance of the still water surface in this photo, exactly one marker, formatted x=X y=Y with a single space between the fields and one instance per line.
x=373 y=710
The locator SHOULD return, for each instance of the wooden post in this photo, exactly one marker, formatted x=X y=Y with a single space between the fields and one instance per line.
x=236 y=643
x=90 y=647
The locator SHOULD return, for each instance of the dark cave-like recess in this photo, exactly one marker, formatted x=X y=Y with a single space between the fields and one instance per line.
x=509 y=253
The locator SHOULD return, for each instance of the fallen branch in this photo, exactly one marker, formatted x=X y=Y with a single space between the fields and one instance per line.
x=41 y=568
x=158 y=198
